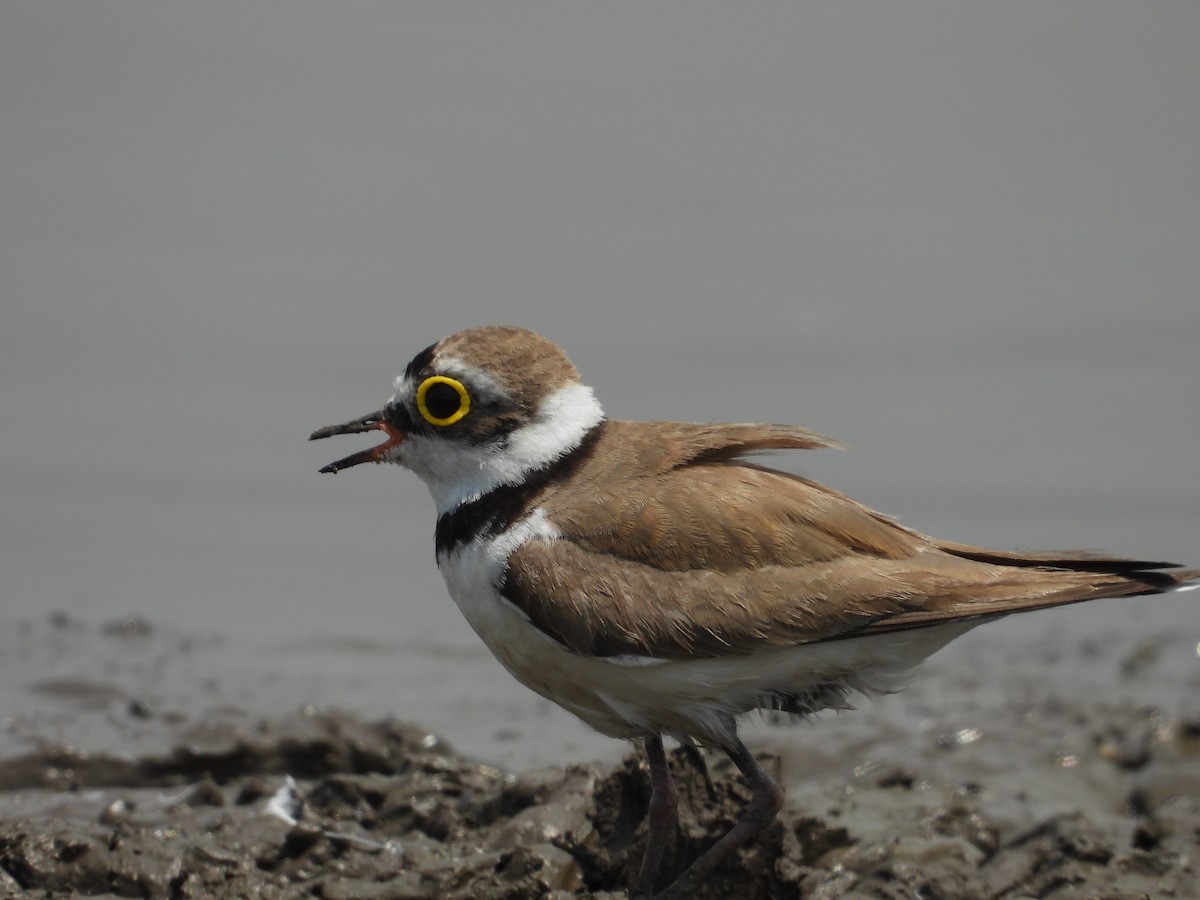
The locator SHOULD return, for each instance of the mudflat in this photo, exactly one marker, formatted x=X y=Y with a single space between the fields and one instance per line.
x=985 y=779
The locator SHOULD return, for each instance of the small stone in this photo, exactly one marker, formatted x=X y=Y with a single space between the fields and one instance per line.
x=119 y=810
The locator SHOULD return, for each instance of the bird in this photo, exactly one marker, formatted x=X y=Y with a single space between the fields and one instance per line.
x=655 y=580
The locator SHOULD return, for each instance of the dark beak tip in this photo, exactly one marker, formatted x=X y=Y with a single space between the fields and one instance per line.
x=327 y=431
x=375 y=421
x=370 y=422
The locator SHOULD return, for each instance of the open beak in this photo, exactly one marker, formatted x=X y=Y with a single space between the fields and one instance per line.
x=376 y=421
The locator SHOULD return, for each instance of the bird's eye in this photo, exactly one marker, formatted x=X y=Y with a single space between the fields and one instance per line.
x=442 y=400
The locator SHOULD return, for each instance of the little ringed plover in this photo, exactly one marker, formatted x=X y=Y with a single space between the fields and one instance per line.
x=649 y=578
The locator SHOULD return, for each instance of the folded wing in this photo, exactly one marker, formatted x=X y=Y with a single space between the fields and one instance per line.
x=704 y=554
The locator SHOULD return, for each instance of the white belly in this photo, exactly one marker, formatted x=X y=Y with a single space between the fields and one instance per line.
x=634 y=697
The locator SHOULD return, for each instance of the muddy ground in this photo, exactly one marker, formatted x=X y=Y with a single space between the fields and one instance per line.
x=326 y=804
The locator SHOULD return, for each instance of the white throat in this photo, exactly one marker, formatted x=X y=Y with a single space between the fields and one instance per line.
x=458 y=474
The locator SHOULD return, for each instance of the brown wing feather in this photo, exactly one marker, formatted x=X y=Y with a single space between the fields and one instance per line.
x=672 y=547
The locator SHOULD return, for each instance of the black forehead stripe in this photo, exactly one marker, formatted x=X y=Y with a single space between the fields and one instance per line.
x=509 y=503
x=420 y=361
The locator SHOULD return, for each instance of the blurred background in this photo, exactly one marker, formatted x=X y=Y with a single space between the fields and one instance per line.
x=964 y=239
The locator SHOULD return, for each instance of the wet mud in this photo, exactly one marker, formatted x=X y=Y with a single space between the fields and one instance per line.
x=133 y=765
x=329 y=806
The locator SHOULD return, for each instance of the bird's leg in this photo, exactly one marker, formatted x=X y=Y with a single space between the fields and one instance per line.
x=697 y=759
x=664 y=801
x=765 y=802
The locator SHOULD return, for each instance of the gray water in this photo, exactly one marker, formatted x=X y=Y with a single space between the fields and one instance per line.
x=964 y=239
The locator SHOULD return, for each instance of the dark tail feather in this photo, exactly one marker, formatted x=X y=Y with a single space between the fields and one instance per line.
x=1078 y=561
x=1115 y=578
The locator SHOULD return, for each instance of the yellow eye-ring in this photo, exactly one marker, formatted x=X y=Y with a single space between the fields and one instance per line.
x=442 y=400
